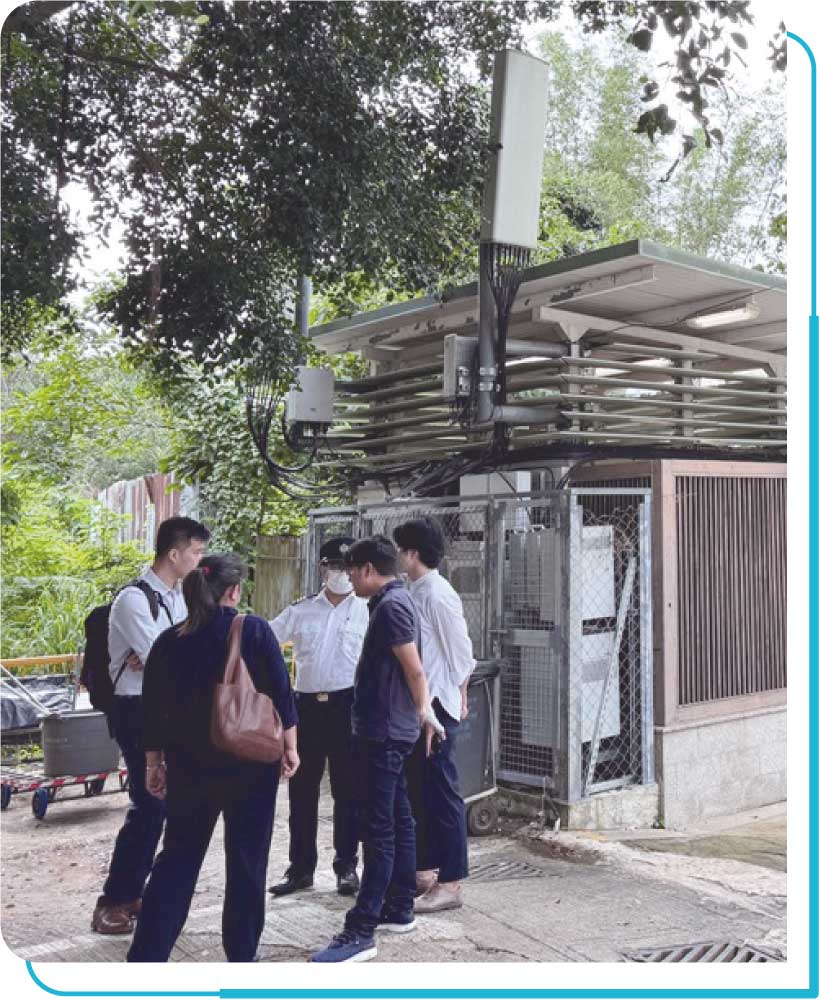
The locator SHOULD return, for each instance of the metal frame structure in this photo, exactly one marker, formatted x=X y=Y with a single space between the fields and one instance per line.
x=620 y=367
x=579 y=675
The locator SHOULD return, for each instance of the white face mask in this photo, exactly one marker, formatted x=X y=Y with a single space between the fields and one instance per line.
x=338 y=582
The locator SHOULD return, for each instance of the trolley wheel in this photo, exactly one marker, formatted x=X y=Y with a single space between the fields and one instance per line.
x=39 y=802
x=482 y=817
x=6 y=797
x=97 y=786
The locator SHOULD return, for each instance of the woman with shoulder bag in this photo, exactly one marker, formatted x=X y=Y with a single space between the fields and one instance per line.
x=214 y=744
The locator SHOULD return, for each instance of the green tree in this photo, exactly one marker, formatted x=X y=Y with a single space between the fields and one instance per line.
x=212 y=448
x=76 y=416
x=725 y=205
x=604 y=183
x=598 y=172
x=80 y=414
x=245 y=144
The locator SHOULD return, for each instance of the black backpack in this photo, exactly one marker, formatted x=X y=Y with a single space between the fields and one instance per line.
x=95 y=675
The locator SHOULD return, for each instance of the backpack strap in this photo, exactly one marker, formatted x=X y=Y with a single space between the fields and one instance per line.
x=155 y=600
x=116 y=679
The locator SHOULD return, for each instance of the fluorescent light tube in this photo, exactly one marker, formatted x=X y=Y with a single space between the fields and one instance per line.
x=740 y=314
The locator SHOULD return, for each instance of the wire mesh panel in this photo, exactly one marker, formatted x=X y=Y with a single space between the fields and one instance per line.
x=465 y=530
x=608 y=641
x=573 y=620
x=559 y=585
x=529 y=597
x=323 y=525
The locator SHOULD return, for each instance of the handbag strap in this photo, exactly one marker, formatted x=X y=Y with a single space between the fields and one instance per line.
x=234 y=654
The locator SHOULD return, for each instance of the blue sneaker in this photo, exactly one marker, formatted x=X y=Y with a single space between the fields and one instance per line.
x=347 y=947
x=396 y=923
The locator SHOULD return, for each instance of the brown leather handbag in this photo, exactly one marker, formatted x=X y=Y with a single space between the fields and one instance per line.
x=244 y=722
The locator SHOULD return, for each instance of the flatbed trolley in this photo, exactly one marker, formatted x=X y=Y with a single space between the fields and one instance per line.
x=31 y=778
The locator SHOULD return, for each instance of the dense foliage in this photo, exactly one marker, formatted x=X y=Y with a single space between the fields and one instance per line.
x=603 y=183
x=244 y=144
x=241 y=145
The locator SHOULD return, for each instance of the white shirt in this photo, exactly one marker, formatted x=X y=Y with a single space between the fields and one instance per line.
x=132 y=629
x=446 y=649
x=327 y=640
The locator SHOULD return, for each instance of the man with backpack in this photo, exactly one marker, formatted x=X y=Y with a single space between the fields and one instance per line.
x=138 y=614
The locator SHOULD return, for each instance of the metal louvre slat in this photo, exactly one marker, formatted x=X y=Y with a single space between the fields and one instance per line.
x=731 y=586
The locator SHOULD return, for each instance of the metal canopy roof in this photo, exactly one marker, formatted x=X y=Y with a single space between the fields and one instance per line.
x=629 y=369
x=639 y=281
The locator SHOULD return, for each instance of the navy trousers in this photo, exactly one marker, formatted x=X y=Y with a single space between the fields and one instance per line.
x=136 y=843
x=438 y=808
x=247 y=803
x=388 y=836
x=323 y=737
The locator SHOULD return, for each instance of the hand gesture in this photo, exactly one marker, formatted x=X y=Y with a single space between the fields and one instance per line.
x=432 y=728
x=133 y=662
x=290 y=763
x=155 y=780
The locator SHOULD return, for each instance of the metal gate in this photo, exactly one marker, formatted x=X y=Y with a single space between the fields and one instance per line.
x=574 y=628
x=559 y=586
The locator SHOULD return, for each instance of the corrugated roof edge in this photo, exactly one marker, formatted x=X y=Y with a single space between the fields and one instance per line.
x=633 y=248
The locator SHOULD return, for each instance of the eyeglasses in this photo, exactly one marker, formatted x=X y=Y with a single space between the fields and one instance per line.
x=333 y=563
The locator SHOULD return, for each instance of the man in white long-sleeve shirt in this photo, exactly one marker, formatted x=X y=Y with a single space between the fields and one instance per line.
x=327 y=631
x=139 y=613
x=447 y=657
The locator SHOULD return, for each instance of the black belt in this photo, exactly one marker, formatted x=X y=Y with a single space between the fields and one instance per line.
x=323 y=696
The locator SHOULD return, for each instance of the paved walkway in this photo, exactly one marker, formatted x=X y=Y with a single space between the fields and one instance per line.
x=533 y=896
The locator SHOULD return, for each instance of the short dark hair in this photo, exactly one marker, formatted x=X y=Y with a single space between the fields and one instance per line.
x=379 y=551
x=425 y=536
x=178 y=532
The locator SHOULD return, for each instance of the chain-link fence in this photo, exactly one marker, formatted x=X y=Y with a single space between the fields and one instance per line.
x=559 y=586
x=330 y=522
x=464 y=526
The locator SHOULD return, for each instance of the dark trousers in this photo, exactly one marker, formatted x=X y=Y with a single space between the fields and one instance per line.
x=248 y=805
x=137 y=840
x=438 y=808
x=323 y=736
x=388 y=836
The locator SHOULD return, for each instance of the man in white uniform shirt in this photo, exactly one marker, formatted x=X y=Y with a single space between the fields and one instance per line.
x=447 y=656
x=132 y=629
x=327 y=631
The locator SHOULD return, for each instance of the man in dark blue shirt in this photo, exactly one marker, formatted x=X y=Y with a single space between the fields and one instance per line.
x=390 y=704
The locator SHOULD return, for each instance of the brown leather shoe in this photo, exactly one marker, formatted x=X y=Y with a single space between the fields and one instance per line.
x=115 y=918
x=425 y=880
x=443 y=896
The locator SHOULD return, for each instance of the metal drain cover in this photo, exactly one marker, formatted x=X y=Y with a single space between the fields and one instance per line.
x=709 y=951
x=499 y=871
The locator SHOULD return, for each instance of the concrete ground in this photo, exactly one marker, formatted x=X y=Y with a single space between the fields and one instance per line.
x=757 y=837
x=532 y=896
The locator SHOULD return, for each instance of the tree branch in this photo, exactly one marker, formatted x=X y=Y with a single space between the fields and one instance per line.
x=29 y=15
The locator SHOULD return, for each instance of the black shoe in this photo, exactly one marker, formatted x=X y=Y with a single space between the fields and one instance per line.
x=347 y=882
x=292 y=883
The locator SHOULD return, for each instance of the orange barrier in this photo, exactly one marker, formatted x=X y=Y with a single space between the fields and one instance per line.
x=20 y=662
x=24 y=662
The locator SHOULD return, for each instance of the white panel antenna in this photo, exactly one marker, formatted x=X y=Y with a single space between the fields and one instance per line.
x=512 y=195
